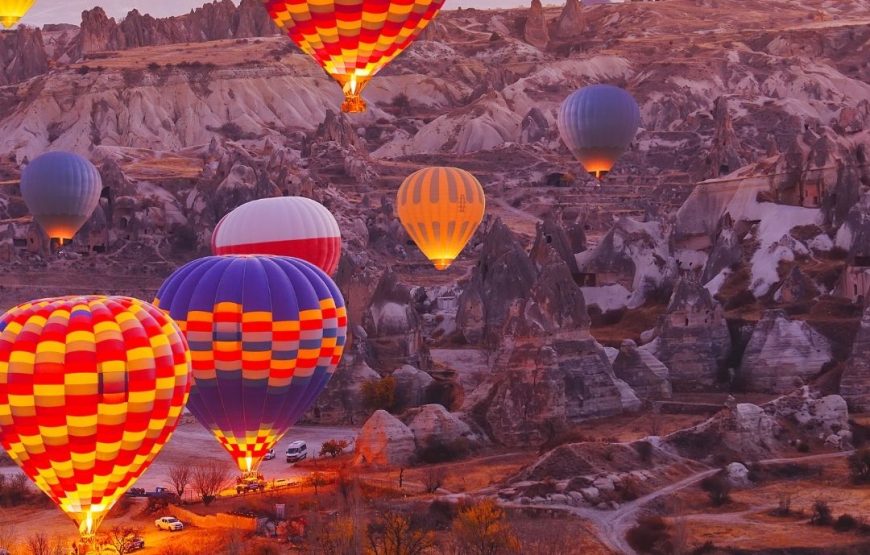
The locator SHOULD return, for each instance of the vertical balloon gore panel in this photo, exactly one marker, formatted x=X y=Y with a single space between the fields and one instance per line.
x=91 y=388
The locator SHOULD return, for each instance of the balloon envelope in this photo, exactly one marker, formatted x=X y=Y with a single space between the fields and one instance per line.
x=440 y=209
x=61 y=190
x=91 y=389
x=266 y=334
x=281 y=226
x=13 y=10
x=598 y=123
x=353 y=39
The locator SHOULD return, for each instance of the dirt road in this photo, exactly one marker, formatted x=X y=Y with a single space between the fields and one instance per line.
x=610 y=527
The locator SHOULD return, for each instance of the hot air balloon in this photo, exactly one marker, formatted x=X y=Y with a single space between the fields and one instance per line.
x=281 y=226
x=598 y=123
x=91 y=388
x=61 y=190
x=440 y=209
x=266 y=334
x=353 y=39
x=13 y=10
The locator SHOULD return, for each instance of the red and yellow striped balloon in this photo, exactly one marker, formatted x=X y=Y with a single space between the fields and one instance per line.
x=353 y=39
x=91 y=388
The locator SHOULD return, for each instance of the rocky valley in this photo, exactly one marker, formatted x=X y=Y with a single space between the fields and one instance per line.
x=699 y=315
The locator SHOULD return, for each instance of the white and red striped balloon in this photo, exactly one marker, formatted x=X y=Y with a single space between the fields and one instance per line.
x=281 y=226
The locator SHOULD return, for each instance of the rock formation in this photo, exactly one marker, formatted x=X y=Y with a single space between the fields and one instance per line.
x=782 y=354
x=543 y=384
x=746 y=430
x=394 y=327
x=213 y=21
x=569 y=23
x=503 y=275
x=534 y=126
x=797 y=287
x=536 y=31
x=693 y=340
x=411 y=385
x=22 y=55
x=385 y=441
x=342 y=401
x=725 y=156
x=633 y=254
x=726 y=251
x=855 y=383
x=548 y=371
x=551 y=235
x=433 y=425
x=646 y=375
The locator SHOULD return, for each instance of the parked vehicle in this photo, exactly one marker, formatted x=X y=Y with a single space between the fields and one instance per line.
x=297 y=451
x=134 y=543
x=169 y=523
x=270 y=455
x=159 y=492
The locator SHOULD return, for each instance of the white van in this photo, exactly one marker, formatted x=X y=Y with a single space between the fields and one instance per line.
x=297 y=451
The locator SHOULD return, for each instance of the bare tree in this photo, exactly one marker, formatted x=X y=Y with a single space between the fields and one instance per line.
x=393 y=534
x=41 y=544
x=179 y=477
x=209 y=479
x=119 y=538
x=8 y=538
x=433 y=479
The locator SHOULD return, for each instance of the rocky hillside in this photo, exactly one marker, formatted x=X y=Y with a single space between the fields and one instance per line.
x=731 y=234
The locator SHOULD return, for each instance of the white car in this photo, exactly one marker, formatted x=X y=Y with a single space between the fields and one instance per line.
x=169 y=523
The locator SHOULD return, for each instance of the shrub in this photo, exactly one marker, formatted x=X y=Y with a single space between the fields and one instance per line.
x=718 y=488
x=845 y=523
x=650 y=535
x=333 y=447
x=379 y=394
x=803 y=447
x=859 y=466
x=821 y=513
x=433 y=479
x=644 y=451
x=483 y=529
x=393 y=534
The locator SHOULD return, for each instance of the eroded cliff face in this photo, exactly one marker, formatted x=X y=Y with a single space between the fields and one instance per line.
x=188 y=117
x=213 y=21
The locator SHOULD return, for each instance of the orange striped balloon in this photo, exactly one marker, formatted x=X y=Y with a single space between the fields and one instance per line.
x=441 y=209
x=91 y=388
x=353 y=39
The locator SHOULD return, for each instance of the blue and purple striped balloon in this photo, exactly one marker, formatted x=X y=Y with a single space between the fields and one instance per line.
x=266 y=334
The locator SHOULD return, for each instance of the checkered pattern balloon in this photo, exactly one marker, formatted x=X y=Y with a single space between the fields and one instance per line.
x=266 y=334
x=353 y=39
x=91 y=389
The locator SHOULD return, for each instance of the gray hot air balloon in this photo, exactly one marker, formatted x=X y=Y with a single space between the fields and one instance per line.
x=598 y=124
x=61 y=190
